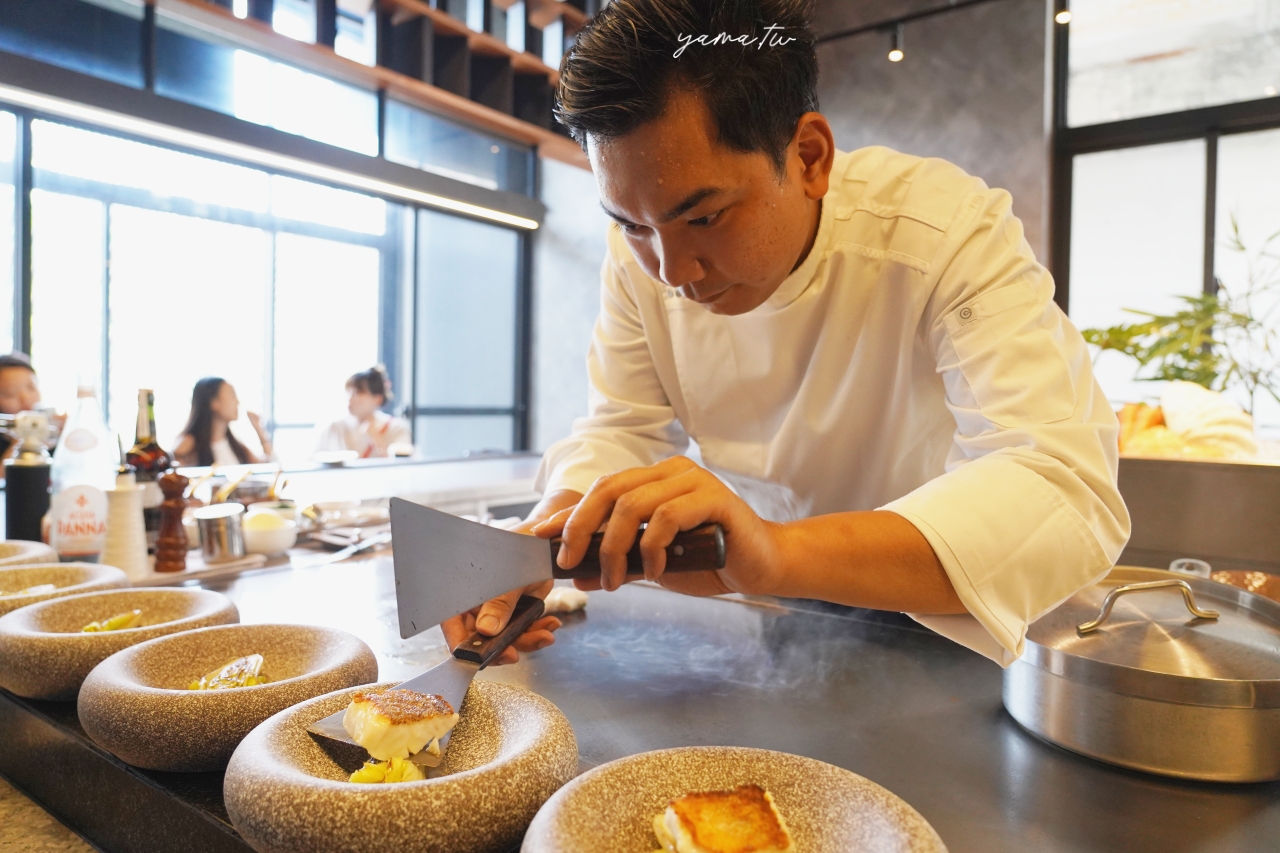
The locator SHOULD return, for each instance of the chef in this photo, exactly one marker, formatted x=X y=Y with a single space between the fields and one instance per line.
x=890 y=410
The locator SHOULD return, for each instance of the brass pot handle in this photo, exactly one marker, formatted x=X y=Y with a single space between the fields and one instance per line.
x=1107 y=603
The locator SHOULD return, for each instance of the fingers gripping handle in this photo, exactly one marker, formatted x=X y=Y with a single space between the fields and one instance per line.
x=699 y=549
x=481 y=649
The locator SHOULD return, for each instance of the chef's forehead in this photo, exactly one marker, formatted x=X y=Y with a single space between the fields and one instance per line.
x=663 y=162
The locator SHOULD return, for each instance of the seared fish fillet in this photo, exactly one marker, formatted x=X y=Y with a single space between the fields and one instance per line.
x=744 y=820
x=397 y=723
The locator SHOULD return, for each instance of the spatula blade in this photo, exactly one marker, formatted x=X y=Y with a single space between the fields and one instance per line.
x=446 y=565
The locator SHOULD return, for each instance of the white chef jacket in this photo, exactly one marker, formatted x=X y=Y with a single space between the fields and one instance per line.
x=914 y=362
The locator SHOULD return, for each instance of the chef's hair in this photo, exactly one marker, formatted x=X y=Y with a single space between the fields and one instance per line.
x=372 y=381
x=623 y=68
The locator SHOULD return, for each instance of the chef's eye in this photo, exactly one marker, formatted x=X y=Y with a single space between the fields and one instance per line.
x=703 y=221
x=630 y=227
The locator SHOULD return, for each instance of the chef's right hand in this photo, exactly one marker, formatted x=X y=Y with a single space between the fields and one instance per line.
x=492 y=616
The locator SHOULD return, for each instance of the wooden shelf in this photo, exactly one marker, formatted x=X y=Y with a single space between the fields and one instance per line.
x=481 y=43
x=220 y=23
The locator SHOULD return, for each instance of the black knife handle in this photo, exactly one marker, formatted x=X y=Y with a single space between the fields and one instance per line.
x=695 y=550
x=481 y=649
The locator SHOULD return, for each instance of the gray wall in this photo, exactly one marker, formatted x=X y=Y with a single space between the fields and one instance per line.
x=568 y=251
x=974 y=89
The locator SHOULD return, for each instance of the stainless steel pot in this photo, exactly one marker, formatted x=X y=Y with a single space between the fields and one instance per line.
x=1157 y=672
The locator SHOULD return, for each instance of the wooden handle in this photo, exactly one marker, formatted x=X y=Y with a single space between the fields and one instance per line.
x=481 y=649
x=695 y=550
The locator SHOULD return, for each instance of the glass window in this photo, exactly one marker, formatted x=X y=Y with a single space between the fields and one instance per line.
x=263 y=91
x=439 y=437
x=326 y=325
x=1249 y=199
x=357 y=31
x=106 y=159
x=102 y=37
x=188 y=300
x=8 y=232
x=295 y=19
x=308 y=202
x=1134 y=58
x=277 y=286
x=419 y=139
x=466 y=312
x=1137 y=241
x=68 y=294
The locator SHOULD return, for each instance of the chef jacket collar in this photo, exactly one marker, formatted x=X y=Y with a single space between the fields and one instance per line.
x=800 y=279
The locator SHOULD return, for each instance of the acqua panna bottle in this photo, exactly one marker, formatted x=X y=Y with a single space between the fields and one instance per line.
x=83 y=469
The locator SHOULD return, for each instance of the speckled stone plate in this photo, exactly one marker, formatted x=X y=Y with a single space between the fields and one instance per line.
x=70 y=578
x=287 y=790
x=45 y=655
x=19 y=552
x=136 y=704
x=829 y=810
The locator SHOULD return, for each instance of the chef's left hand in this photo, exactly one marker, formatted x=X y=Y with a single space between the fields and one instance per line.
x=492 y=616
x=673 y=495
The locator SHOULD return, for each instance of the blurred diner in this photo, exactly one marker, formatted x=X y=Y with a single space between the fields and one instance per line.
x=208 y=439
x=367 y=429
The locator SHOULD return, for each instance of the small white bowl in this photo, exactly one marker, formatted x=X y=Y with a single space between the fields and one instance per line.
x=272 y=541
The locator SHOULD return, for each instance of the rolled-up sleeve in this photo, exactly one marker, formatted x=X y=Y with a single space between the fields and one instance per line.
x=630 y=421
x=1028 y=511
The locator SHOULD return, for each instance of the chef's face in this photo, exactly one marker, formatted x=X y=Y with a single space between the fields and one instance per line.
x=721 y=225
x=18 y=390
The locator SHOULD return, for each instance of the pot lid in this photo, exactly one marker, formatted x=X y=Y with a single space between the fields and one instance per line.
x=1151 y=643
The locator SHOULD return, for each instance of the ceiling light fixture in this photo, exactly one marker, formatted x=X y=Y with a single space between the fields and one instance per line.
x=1062 y=14
x=896 y=42
x=249 y=154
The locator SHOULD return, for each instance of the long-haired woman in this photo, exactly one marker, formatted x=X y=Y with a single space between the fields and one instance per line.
x=207 y=437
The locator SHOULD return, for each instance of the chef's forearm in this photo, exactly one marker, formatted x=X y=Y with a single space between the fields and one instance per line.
x=864 y=559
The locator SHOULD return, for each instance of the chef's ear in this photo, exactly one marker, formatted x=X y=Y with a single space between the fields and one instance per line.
x=815 y=146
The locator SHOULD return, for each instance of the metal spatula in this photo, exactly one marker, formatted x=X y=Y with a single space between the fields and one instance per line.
x=451 y=678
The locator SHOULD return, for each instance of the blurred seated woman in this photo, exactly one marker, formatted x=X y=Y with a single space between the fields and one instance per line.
x=367 y=430
x=207 y=437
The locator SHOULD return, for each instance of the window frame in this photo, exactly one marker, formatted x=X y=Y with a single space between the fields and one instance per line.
x=1207 y=123
x=393 y=352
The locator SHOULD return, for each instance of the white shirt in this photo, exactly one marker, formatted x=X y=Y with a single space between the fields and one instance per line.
x=915 y=362
x=350 y=434
x=223 y=454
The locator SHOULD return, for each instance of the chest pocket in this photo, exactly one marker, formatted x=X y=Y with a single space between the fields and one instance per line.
x=1007 y=350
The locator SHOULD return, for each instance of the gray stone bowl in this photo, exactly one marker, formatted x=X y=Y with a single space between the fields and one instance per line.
x=136 y=704
x=70 y=578
x=45 y=655
x=610 y=809
x=20 y=552
x=287 y=791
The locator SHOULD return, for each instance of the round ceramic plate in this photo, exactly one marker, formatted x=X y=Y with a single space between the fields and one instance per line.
x=69 y=578
x=287 y=790
x=829 y=810
x=18 y=552
x=136 y=704
x=44 y=654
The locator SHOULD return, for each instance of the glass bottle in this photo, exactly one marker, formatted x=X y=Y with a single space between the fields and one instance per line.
x=150 y=461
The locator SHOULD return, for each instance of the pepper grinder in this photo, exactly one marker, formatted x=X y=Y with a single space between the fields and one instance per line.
x=171 y=545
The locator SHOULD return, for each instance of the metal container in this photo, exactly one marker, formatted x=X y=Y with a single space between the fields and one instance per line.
x=221 y=536
x=1157 y=672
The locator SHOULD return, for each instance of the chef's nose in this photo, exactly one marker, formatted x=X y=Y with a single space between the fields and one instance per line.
x=678 y=265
